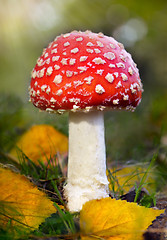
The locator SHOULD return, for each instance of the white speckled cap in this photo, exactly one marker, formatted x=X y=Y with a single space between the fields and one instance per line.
x=82 y=71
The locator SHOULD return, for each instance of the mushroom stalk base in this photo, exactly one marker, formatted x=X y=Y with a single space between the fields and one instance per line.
x=86 y=178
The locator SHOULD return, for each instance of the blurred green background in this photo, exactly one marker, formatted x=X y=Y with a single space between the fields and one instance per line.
x=27 y=26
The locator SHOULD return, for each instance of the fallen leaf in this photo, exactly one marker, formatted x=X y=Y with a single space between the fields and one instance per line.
x=115 y=219
x=41 y=142
x=126 y=177
x=22 y=205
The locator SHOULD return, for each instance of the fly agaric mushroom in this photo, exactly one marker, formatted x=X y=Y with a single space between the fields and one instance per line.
x=85 y=73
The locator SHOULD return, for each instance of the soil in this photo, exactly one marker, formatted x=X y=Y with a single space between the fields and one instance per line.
x=158 y=229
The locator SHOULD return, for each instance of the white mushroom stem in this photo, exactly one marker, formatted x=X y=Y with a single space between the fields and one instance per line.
x=86 y=178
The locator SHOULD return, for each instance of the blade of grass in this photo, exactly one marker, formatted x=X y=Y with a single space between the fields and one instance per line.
x=141 y=184
x=67 y=219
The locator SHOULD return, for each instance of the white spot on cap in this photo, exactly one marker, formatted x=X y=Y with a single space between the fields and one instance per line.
x=43 y=87
x=88 y=109
x=75 y=108
x=97 y=50
x=125 y=97
x=100 y=71
x=98 y=60
x=120 y=65
x=69 y=73
x=116 y=74
x=61 y=111
x=40 y=62
x=101 y=108
x=68 y=85
x=88 y=80
x=82 y=69
x=132 y=88
x=66 y=35
x=49 y=71
x=44 y=51
x=56 y=67
x=64 y=61
x=109 y=55
x=38 y=93
x=86 y=94
x=57 y=79
x=99 y=89
x=72 y=61
x=49 y=110
x=119 y=84
x=48 y=90
x=83 y=58
x=88 y=32
x=46 y=55
x=54 y=50
x=59 y=92
x=56 y=38
x=130 y=108
x=112 y=65
x=123 y=58
x=32 y=93
x=74 y=50
x=47 y=61
x=109 y=77
x=112 y=46
x=89 y=64
x=52 y=100
x=55 y=58
x=89 y=44
x=121 y=45
x=116 y=101
x=89 y=50
x=100 y=34
x=100 y=44
x=55 y=45
x=79 y=39
x=41 y=72
x=33 y=74
x=36 y=84
x=130 y=71
x=78 y=83
x=66 y=44
x=140 y=86
x=124 y=77
x=75 y=100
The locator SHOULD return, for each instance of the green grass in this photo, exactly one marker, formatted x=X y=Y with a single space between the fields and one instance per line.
x=63 y=224
x=138 y=193
x=143 y=183
x=50 y=178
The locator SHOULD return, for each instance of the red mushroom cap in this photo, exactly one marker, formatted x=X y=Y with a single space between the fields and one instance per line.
x=82 y=71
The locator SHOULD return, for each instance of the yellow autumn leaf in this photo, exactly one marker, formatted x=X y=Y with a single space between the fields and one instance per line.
x=115 y=220
x=21 y=203
x=126 y=177
x=41 y=142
